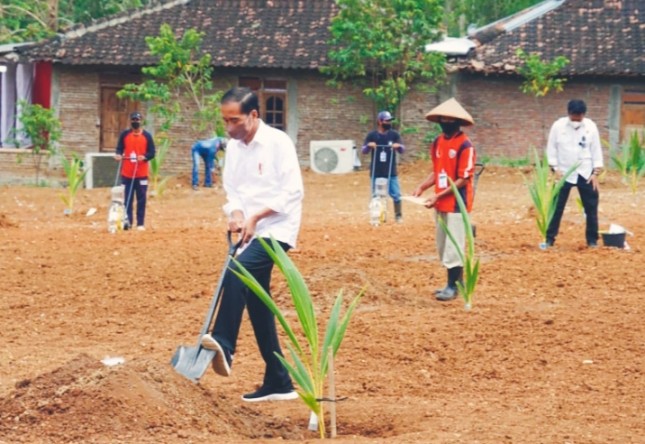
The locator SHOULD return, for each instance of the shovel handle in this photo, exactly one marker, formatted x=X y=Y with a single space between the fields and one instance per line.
x=232 y=247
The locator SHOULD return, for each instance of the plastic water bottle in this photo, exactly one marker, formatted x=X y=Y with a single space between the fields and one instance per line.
x=376 y=210
x=113 y=219
x=133 y=157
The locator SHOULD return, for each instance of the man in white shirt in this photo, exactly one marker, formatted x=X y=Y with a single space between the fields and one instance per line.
x=264 y=192
x=575 y=140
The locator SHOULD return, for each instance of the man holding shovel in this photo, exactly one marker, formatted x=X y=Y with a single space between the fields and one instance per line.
x=264 y=192
x=453 y=157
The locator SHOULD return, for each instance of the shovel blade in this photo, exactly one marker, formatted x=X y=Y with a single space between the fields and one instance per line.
x=192 y=362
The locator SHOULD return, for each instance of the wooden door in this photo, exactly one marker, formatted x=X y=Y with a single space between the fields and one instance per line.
x=115 y=117
x=632 y=116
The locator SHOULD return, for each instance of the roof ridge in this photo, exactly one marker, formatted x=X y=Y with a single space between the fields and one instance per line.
x=119 y=18
x=488 y=32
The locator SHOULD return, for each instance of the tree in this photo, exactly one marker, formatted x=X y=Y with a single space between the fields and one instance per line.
x=182 y=73
x=40 y=126
x=461 y=13
x=541 y=78
x=26 y=20
x=381 y=45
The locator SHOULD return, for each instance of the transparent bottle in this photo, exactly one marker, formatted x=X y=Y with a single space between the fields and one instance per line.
x=113 y=218
x=376 y=211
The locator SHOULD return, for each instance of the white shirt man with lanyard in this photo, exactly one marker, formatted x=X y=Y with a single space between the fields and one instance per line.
x=575 y=140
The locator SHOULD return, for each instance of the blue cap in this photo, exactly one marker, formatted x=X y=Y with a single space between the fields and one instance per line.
x=384 y=116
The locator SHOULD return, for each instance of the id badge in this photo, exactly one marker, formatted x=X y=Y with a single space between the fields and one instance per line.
x=383 y=156
x=443 y=180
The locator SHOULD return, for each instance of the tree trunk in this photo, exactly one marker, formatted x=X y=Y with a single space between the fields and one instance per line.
x=52 y=15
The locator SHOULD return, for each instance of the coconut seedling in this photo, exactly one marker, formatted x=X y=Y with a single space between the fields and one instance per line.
x=630 y=161
x=309 y=359
x=544 y=190
x=471 y=263
x=75 y=174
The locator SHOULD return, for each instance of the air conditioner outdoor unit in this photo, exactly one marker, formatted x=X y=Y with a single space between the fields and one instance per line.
x=101 y=170
x=332 y=156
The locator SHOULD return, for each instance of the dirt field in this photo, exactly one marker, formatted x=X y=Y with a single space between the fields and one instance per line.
x=552 y=351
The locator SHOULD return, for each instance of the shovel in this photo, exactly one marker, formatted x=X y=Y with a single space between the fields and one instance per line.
x=192 y=362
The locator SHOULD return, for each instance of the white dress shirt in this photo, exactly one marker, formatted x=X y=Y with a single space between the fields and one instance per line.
x=568 y=146
x=265 y=174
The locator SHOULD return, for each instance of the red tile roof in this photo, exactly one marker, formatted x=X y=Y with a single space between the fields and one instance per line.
x=599 y=37
x=238 y=33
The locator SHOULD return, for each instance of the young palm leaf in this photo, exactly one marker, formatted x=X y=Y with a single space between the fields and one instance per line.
x=544 y=192
x=75 y=175
x=309 y=364
x=631 y=161
x=471 y=265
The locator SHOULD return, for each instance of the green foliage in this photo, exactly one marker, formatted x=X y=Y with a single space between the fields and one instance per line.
x=480 y=12
x=310 y=360
x=544 y=192
x=468 y=259
x=42 y=128
x=510 y=162
x=630 y=160
x=180 y=73
x=540 y=75
x=75 y=174
x=28 y=20
x=381 y=44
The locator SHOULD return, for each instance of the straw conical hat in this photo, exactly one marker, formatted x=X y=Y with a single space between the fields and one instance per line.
x=450 y=108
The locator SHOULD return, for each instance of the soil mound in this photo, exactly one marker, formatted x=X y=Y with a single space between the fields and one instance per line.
x=85 y=398
x=5 y=222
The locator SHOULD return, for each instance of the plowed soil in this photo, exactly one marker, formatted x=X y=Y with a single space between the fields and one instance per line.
x=552 y=350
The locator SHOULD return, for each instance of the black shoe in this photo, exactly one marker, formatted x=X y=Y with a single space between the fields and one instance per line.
x=448 y=294
x=549 y=242
x=222 y=360
x=270 y=394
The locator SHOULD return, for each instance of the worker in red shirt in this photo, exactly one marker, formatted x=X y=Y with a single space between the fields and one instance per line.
x=453 y=157
x=135 y=148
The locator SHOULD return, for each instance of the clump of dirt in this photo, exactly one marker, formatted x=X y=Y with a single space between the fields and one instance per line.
x=85 y=398
x=5 y=222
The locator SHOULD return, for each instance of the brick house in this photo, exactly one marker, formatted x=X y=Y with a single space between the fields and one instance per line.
x=278 y=46
x=605 y=43
x=275 y=47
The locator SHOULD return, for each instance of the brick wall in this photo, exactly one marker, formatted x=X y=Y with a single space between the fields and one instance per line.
x=508 y=122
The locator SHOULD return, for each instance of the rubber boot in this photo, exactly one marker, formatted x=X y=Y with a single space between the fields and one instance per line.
x=441 y=290
x=398 y=215
x=455 y=274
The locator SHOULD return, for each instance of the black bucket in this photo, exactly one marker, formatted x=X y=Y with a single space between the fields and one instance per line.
x=613 y=240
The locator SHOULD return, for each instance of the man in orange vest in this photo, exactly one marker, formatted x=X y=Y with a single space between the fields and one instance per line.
x=453 y=157
x=135 y=148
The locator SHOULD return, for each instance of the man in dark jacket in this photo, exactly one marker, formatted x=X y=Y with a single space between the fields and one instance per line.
x=135 y=148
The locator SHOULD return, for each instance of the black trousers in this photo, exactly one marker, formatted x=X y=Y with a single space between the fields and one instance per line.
x=136 y=188
x=236 y=295
x=589 y=198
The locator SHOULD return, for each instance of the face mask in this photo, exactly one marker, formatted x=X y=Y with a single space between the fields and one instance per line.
x=135 y=125
x=449 y=128
x=387 y=126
